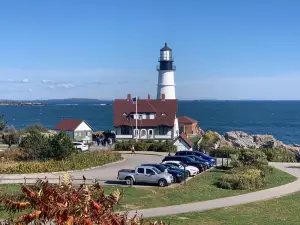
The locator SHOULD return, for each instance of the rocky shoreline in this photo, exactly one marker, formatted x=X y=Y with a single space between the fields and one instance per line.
x=240 y=139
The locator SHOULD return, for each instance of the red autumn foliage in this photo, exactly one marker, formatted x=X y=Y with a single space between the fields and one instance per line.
x=65 y=204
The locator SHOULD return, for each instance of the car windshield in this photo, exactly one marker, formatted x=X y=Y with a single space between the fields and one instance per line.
x=183 y=164
x=198 y=158
x=156 y=170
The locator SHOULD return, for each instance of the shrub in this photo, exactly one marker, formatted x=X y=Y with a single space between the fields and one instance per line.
x=61 y=147
x=36 y=127
x=242 y=179
x=14 y=137
x=2 y=122
x=280 y=155
x=166 y=146
x=35 y=145
x=251 y=158
x=224 y=152
x=141 y=146
x=208 y=140
x=123 y=145
x=15 y=154
x=155 y=146
x=76 y=161
x=65 y=204
x=38 y=146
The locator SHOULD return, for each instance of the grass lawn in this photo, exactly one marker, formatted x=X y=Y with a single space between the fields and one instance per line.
x=200 y=188
x=283 y=211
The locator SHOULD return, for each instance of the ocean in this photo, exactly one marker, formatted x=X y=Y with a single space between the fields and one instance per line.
x=278 y=118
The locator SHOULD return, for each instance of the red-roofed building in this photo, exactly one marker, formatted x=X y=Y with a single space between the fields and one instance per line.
x=78 y=130
x=188 y=126
x=148 y=119
x=183 y=143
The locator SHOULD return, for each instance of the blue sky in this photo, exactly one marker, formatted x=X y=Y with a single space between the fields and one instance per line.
x=105 y=49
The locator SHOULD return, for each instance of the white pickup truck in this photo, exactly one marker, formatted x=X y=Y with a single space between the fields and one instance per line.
x=145 y=174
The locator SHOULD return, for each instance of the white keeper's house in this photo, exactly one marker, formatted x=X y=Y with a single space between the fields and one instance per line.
x=144 y=119
x=78 y=130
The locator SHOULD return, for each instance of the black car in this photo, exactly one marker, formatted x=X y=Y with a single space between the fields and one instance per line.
x=172 y=167
x=199 y=159
x=188 y=161
x=178 y=176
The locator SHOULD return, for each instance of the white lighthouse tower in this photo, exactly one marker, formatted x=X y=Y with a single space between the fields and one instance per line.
x=166 y=70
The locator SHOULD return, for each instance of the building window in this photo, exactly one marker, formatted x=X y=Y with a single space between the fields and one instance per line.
x=136 y=132
x=147 y=115
x=150 y=132
x=143 y=132
x=163 y=130
x=125 y=130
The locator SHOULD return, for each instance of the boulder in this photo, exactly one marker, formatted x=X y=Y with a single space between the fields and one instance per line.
x=240 y=139
x=222 y=142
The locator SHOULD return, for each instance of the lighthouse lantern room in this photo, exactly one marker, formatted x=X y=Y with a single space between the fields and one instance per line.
x=166 y=84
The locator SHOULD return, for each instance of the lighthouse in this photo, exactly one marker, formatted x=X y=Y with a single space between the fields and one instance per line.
x=166 y=69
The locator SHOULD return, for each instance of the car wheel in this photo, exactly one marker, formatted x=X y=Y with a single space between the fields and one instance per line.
x=162 y=183
x=129 y=180
x=189 y=173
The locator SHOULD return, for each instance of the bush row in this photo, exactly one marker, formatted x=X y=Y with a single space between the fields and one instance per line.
x=243 y=179
x=250 y=167
x=76 y=161
x=155 y=146
x=280 y=155
x=273 y=154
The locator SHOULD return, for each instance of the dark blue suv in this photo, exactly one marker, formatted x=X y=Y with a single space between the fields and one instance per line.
x=211 y=160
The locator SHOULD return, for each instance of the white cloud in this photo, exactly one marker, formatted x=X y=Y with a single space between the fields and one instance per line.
x=51 y=86
x=67 y=86
x=30 y=90
x=47 y=81
x=25 y=80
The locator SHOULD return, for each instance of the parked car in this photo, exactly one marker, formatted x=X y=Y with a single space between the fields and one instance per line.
x=145 y=174
x=81 y=146
x=192 y=170
x=178 y=176
x=199 y=154
x=172 y=167
x=188 y=161
x=199 y=159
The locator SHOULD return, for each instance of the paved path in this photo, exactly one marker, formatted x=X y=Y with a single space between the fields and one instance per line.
x=105 y=175
x=276 y=192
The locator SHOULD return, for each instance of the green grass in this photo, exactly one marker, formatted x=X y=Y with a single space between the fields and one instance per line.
x=282 y=211
x=201 y=188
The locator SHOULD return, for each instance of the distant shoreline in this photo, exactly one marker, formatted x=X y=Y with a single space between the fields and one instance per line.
x=12 y=103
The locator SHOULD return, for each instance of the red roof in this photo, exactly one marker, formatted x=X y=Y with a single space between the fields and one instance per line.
x=186 y=140
x=186 y=120
x=68 y=125
x=165 y=111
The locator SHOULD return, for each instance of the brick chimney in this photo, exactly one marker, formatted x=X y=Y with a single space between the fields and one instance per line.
x=148 y=96
x=163 y=96
x=128 y=97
